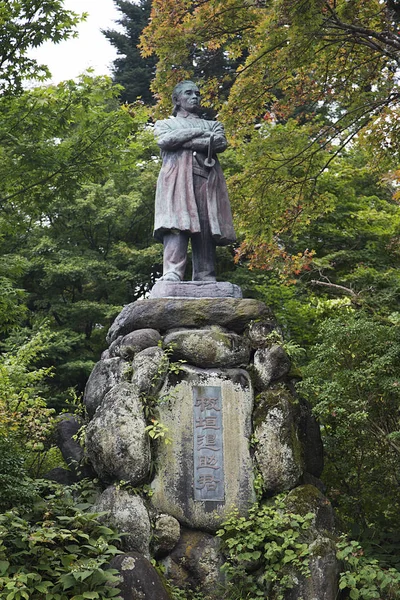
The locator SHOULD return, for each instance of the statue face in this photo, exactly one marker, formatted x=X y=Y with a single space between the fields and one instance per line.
x=189 y=98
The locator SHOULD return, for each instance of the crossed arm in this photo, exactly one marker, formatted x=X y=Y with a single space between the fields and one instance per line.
x=191 y=139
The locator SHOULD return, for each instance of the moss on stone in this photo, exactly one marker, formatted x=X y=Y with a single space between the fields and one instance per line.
x=305 y=499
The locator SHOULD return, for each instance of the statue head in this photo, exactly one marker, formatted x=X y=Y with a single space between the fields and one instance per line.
x=186 y=95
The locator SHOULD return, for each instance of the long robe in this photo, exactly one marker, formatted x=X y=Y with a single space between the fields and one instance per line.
x=175 y=207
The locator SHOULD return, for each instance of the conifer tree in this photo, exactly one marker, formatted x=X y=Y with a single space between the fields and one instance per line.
x=130 y=69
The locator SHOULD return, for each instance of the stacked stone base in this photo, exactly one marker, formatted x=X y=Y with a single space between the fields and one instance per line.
x=191 y=399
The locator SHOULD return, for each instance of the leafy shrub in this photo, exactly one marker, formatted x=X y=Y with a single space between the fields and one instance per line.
x=353 y=384
x=15 y=486
x=57 y=551
x=363 y=577
x=264 y=549
x=26 y=423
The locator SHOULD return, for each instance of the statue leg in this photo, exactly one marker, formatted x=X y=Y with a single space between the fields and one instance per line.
x=175 y=255
x=203 y=246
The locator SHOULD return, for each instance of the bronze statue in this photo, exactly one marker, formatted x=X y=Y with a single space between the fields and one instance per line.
x=191 y=199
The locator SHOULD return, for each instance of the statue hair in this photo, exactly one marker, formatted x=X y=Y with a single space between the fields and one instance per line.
x=175 y=94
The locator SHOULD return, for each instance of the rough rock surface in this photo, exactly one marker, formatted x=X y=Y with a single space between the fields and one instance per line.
x=114 y=347
x=60 y=475
x=128 y=514
x=310 y=437
x=196 y=561
x=323 y=582
x=136 y=341
x=195 y=289
x=150 y=368
x=67 y=428
x=209 y=347
x=117 y=444
x=258 y=332
x=174 y=482
x=307 y=498
x=105 y=375
x=168 y=313
x=166 y=534
x=270 y=364
x=140 y=580
x=279 y=453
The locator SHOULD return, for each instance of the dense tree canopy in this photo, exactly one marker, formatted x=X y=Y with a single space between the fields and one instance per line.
x=77 y=183
x=314 y=76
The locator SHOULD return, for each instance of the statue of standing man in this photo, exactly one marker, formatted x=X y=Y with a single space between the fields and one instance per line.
x=191 y=199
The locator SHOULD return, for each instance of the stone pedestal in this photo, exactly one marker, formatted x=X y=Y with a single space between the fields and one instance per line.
x=190 y=401
x=195 y=289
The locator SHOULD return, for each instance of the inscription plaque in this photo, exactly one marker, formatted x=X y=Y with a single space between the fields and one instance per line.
x=208 y=444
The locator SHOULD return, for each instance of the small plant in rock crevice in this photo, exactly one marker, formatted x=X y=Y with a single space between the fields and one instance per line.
x=158 y=431
x=150 y=402
x=292 y=348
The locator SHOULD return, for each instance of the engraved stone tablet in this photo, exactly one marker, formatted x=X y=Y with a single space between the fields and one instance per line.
x=208 y=443
x=206 y=471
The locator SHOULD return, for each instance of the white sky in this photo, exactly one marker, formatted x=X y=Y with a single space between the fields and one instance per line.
x=70 y=58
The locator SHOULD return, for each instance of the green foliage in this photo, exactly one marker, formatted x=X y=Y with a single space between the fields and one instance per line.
x=352 y=381
x=264 y=550
x=76 y=230
x=26 y=423
x=185 y=594
x=26 y=24
x=57 y=551
x=158 y=431
x=23 y=411
x=16 y=488
x=363 y=577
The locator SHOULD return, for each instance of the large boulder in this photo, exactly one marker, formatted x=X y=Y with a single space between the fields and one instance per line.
x=170 y=313
x=270 y=364
x=308 y=499
x=207 y=467
x=210 y=347
x=138 y=340
x=149 y=369
x=196 y=562
x=139 y=579
x=67 y=431
x=128 y=515
x=117 y=444
x=279 y=452
x=323 y=581
x=105 y=375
